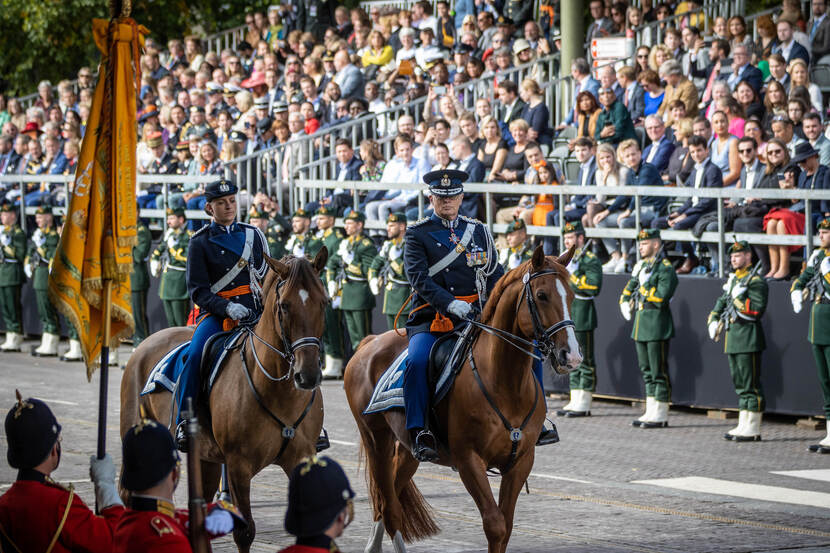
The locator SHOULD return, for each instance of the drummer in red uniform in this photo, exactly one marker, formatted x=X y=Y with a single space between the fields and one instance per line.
x=37 y=513
x=319 y=505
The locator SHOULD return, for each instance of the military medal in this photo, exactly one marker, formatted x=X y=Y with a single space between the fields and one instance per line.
x=459 y=248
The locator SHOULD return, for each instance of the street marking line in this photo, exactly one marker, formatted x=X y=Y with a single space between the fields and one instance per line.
x=60 y=401
x=565 y=478
x=760 y=492
x=341 y=442
x=822 y=475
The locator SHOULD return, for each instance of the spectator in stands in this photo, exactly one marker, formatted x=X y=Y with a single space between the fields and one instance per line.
x=747 y=98
x=801 y=94
x=583 y=82
x=587 y=113
x=348 y=77
x=373 y=162
x=784 y=130
x=45 y=97
x=606 y=172
x=786 y=45
x=719 y=28
x=677 y=109
x=486 y=25
x=402 y=168
x=734 y=113
x=493 y=150
x=660 y=150
x=814 y=133
x=767 y=37
x=680 y=163
x=743 y=70
x=641 y=60
x=705 y=174
x=782 y=219
x=465 y=160
x=601 y=26
x=738 y=33
x=754 y=130
x=513 y=105
x=469 y=128
x=614 y=122
x=16 y=113
x=724 y=149
x=799 y=76
x=634 y=20
x=633 y=96
x=775 y=102
x=659 y=55
x=818 y=29
x=536 y=114
x=678 y=87
x=795 y=112
x=655 y=94
x=813 y=177
x=377 y=55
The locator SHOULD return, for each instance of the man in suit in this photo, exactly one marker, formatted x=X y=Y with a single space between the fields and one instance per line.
x=742 y=70
x=678 y=87
x=659 y=152
x=583 y=81
x=348 y=169
x=718 y=67
x=348 y=77
x=509 y=98
x=787 y=45
x=818 y=29
x=633 y=95
x=608 y=79
x=601 y=27
x=814 y=133
x=696 y=55
x=705 y=175
x=465 y=160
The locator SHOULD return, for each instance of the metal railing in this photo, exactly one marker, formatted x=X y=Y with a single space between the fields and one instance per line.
x=228 y=38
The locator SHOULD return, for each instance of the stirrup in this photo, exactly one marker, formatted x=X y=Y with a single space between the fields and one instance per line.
x=424 y=448
x=548 y=435
x=323 y=441
x=181 y=437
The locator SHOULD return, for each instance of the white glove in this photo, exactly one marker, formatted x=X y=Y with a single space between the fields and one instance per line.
x=236 y=311
x=332 y=285
x=797 y=299
x=155 y=267
x=713 y=329
x=459 y=308
x=374 y=286
x=5 y=239
x=824 y=267
x=102 y=473
x=219 y=522
x=738 y=290
x=171 y=242
x=38 y=238
x=28 y=270
x=625 y=309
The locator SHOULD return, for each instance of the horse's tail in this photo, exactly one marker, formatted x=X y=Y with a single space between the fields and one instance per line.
x=418 y=523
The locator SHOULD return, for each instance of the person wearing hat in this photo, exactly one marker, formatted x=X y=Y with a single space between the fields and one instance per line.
x=812 y=177
x=347 y=275
x=265 y=135
x=37 y=513
x=170 y=259
x=302 y=242
x=813 y=285
x=36 y=265
x=445 y=255
x=150 y=474
x=647 y=296
x=738 y=311
x=320 y=505
x=140 y=283
x=388 y=271
x=518 y=250
x=259 y=218
x=333 y=339
x=225 y=268
x=12 y=255
x=163 y=163
x=585 y=271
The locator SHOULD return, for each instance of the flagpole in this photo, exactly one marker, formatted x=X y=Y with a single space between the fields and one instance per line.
x=104 y=372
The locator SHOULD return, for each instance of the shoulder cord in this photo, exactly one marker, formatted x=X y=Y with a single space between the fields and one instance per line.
x=63 y=521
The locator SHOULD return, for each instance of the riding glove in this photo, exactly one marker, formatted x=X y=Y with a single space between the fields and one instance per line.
x=236 y=311
x=102 y=473
x=219 y=522
x=459 y=308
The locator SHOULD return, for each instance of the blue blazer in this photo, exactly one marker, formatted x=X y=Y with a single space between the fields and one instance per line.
x=663 y=155
x=645 y=175
x=797 y=51
x=636 y=102
x=712 y=178
x=751 y=74
x=582 y=200
x=352 y=169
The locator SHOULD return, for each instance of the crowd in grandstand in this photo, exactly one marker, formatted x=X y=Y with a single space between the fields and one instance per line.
x=706 y=94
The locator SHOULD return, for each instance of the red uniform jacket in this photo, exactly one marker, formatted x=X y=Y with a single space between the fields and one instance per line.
x=159 y=532
x=313 y=544
x=32 y=510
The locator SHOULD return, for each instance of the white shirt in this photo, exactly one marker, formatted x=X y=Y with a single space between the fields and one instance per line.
x=585 y=171
x=699 y=172
x=396 y=171
x=653 y=152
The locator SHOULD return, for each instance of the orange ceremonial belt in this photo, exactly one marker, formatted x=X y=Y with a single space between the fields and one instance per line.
x=228 y=324
x=441 y=323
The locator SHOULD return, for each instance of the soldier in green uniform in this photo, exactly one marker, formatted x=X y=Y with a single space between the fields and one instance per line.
x=813 y=285
x=140 y=283
x=38 y=261
x=586 y=281
x=518 y=250
x=647 y=295
x=739 y=311
x=333 y=339
x=259 y=219
x=302 y=242
x=170 y=256
x=387 y=271
x=12 y=254
x=347 y=273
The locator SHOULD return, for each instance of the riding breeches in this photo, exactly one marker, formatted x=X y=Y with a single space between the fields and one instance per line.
x=188 y=374
x=415 y=380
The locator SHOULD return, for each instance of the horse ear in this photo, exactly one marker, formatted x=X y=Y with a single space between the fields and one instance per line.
x=566 y=257
x=320 y=259
x=278 y=266
x=538 y=259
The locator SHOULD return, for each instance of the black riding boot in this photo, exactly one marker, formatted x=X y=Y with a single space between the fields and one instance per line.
x=323 y=441
x=181 y=437
x=424 y=448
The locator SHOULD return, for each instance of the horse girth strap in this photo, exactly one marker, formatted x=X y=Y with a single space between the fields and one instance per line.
x=515 y=433
x=288 y=432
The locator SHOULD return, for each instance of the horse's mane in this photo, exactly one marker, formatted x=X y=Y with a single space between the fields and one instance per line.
x=301 y=273
x=504 y=282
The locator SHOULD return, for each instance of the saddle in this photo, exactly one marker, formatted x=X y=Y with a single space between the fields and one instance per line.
x=216 y=350
x=445 y=360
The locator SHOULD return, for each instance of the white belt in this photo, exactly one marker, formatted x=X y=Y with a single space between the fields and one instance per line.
x=10 y=261
x=577 y=296
x=358 y=279
x=238 y=266
x=447 y=260
x=175 y=268
x=398 y=281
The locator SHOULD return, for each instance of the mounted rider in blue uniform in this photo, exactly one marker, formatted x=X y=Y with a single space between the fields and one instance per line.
x=225 y=267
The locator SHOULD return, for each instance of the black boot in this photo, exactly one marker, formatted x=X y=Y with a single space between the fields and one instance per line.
x=424 y=448
x=181 y=437
x=323 y=441
x=548 y=435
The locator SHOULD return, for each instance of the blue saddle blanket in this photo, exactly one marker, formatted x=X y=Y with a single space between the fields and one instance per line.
x=388 y=392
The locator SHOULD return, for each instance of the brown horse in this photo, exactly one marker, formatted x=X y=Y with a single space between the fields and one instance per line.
x=530 y=302
x=250 y=400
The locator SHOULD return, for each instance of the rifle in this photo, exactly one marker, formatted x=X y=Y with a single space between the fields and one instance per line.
x=578 y=258
x=730 y=314
x=636 y=296
x=195 y=502
x=813 y=289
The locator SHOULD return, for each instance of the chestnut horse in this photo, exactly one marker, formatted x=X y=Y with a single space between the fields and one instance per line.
x=480 y=419
x=252 y=402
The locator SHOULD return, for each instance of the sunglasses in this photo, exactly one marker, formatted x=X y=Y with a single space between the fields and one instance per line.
x=642 y=56
x=776 y=151
x=746 y=151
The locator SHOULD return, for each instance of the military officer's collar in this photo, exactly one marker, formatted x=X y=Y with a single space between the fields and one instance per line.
x=150 y=503
x=321 y=541
x=217 y=228
x=354 y=239
x=741 y=273
x=31 y=475
x=446 y=222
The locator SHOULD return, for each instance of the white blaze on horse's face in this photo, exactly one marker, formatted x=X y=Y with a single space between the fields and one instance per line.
x=574 y=355
x=303 y=295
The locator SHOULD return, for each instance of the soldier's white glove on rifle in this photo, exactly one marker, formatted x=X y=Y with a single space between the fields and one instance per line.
x=459 y=308
x=374 y=286
x=38 y=238
x=5 y=239
x=713 y=329
x=236 y=311
x=155 y=267
x=27 y=268
x=797 y=299
x=625 y=309
x=332 y=285
x=737 y=291
x=171 y=242
x=102 y=473
x=219 y=522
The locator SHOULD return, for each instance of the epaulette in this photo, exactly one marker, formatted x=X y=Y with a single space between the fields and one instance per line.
x=200 y=231
x=589 y=254
x=366 y=242
x=667 y=263
x=161 y=526
x=470 y=220
x=420 y=221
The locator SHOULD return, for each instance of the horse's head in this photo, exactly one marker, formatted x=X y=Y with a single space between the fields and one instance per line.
x=546 y=311
x=298 y=301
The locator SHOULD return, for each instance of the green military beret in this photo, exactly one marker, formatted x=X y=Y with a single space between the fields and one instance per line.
x=574 y=226
x=739 y=246
x=397 y=217
x=7 y=207
x=179 y=211
x=355 y=215
x=327 y=211
x=301 y=213
x=648 y=234
x=255 y=213
x=44 y=210
x=517 y=224
x=824 y=224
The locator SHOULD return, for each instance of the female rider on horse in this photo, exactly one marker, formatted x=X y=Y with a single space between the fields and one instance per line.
x=452 y=265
